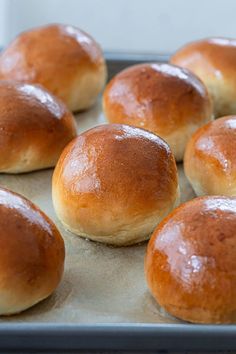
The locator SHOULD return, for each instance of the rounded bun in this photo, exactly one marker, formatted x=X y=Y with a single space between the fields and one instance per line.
x=34 y=127
x=64 y=59
x=31 y=254
x=162 y=98
x=213 y=61
x=114 y=183
x=191 y=264
x=210 y=160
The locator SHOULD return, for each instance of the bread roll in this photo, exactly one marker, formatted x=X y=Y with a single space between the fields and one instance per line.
x=114 y=183
x=64 y=59
x=162 y=98
x=191 y=261
x=210 y=160
x=213 y=60
x=31 y=254
x=34 y=127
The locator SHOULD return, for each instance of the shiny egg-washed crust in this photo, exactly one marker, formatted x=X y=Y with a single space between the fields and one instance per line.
x=64 y=59
x=190 y=262
x=213 y=61
x=114 y=183
x=210 y=159
x=31 y=254
x=162 y=98
x=34 y=127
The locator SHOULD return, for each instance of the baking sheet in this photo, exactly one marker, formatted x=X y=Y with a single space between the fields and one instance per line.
x=101 y=284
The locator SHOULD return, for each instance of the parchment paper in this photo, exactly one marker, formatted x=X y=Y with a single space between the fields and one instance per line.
x=101 y=284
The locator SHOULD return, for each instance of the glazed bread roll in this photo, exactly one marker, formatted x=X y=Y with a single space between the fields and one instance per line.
x=114 y=183
x=162 y=98
x=31 y=254
x=191 y=264
x=210 y=160
x=213 y=60
x=34 y=127
x=64 y=59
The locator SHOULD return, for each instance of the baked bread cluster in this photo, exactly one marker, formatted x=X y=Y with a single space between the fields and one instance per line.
x=118 y=183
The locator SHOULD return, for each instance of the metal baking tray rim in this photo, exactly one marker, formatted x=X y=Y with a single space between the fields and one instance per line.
x=119 y=336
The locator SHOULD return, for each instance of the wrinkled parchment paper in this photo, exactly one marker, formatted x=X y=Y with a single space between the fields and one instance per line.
x=101 y=283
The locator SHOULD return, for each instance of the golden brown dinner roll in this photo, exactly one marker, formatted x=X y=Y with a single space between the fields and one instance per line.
x=114 y=183
x=64 y=59
x=191 y=261
x=210 y=159
x=31 y=254
x=34 y=127
x=213 y=60
x=162 y=98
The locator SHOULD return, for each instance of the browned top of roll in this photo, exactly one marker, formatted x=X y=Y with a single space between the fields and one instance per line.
x=114 y=168
x=29 y=57
x=215 y=143
x=211 y=57
x=34 y=126
x=191 y=263
x=31 y=253
x=157 y=94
